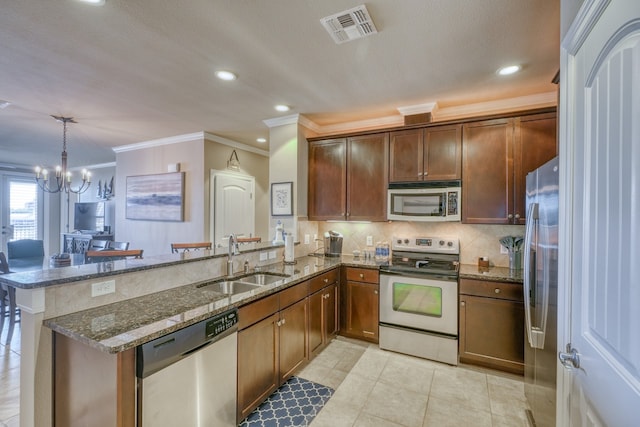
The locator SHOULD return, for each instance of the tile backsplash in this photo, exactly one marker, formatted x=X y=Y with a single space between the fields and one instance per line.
x=476 y=240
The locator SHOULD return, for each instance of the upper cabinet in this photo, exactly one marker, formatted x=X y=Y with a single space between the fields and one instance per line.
x=496 y=157
x=430 y=154
x=348 y=178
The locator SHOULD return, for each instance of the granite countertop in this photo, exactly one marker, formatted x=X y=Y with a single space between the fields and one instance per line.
x=50 y=276
x=120 y=326
x=496 y=274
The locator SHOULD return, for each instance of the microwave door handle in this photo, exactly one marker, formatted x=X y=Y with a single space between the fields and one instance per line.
x=529 y=272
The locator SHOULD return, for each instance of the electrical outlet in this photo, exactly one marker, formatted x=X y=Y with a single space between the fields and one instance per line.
x=369 y=240
x=263 y=256
x=272 y=254
x=307 y=239
x=103 y=288
x=503 y=250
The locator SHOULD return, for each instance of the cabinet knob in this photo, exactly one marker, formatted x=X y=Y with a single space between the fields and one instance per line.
x=496 y=290
x=361 y=276
x=462 y=303
x=326 y=280
x=279 y=323
x=284 y=321
x=375 y=292
x=517 y=216
x=348 y=213
x=510 y=216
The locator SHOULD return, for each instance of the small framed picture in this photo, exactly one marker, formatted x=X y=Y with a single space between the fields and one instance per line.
x=281 y=198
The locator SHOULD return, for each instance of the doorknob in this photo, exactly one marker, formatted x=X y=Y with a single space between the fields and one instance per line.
x=571 y=358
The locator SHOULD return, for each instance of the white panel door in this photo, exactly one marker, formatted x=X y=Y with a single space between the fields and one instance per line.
x=603 y=128
x=233 y=207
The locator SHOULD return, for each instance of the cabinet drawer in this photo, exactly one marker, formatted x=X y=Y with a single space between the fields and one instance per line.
x=323 y=280
x=258 y=310
x=486 y=288
x=362 y=275
x=293 y=294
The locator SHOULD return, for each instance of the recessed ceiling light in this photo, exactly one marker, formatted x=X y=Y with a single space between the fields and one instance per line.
x=4 y=104
x=226 y=75
x=95 y=2
x=261 y=140
x=282 y=108
x=505 y=71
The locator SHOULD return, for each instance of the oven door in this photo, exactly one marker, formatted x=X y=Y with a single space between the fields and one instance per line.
x=419 y=302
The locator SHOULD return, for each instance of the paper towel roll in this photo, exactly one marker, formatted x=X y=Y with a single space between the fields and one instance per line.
x=288 y=248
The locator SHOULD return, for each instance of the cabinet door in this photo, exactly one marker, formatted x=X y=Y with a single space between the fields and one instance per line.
x=257 y=364
x=361 y=311
x=327 y=180
x=492 y=333
x=442 y=153
x=367 y=178
x=330 y=312
x=405 y=155
x=293 y=338
x=316 y=327
x=535 y=144
x=487 y=172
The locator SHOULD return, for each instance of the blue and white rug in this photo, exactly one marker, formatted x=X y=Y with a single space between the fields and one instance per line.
x=295 y=403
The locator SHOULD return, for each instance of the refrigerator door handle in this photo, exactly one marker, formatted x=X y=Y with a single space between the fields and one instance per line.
x=533 y=333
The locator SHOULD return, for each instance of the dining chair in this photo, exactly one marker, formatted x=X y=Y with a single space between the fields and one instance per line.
x=7 y=300
x=112 y=255
x=97 y=245
x=120 y=246
x=186 y=247
x=25 y=248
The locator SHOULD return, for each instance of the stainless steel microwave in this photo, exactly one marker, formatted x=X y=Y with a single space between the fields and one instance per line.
x=438 y=201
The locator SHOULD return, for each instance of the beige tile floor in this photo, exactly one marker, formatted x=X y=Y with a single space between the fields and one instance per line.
x=377 y=388
x=10 y=378
x=373 y=388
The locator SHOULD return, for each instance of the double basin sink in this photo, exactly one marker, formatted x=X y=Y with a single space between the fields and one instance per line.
x=245 y=283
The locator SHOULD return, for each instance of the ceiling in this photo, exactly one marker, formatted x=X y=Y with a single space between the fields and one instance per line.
x=133 y=71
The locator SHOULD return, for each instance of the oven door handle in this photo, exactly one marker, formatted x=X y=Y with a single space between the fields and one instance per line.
x=418 y=275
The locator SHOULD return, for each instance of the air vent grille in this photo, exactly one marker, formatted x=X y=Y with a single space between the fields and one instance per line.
x=349 y=25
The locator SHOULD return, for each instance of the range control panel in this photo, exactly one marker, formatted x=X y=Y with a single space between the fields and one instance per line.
x=443 y=245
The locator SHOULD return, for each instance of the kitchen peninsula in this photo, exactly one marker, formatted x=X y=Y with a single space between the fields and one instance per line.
x=62 y=300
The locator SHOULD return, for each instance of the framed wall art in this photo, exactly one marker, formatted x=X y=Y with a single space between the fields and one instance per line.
x=157 y=197
x=281 y=198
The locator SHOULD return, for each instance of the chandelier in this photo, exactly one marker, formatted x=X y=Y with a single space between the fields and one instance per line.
x=63 y=176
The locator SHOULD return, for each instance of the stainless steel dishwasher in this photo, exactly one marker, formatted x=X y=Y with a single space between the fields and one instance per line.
x=188 y=377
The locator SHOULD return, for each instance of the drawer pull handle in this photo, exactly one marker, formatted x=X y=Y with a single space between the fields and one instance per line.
x=497 y=291
x=368 y=333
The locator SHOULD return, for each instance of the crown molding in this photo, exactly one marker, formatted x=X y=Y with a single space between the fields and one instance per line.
x=196 y=136
x=541 y=100
x=281 y=121
x=429 y=107
x=235 y=144
x=189 y=137
x=379 y=122
x=94 y=167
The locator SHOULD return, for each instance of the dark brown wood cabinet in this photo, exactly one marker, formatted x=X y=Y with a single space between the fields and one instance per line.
x=430 y=154
x=496 y=157
x=323 y=311
x=492 y=325
x=272 y=344
x=348 y=178
x=359 y=303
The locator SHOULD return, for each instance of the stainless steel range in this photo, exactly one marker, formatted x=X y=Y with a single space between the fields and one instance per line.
x=419 y=298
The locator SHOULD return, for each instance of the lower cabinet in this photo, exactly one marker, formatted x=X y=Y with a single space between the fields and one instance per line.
x=359 y=303
x=492 y=325
x=323 y=310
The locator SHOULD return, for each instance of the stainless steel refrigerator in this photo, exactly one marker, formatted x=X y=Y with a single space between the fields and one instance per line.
x=541 y=293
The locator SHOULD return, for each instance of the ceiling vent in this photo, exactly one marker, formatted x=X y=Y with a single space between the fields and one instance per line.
x=349 y=25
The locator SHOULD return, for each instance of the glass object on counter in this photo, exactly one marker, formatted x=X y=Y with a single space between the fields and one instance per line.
x=382 y=251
